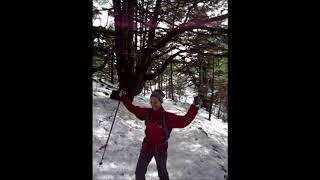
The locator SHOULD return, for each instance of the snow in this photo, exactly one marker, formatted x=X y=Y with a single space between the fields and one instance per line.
x=198 y=151
x=102 y=20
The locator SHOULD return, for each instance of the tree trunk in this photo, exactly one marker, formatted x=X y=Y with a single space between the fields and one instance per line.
x=201 y=88
x=129 y=80
x=160 y=81
x=171 y=81
x=212 y=90
x=219 y=109
x=136 y=37
x=111 y=71
x=166 y=81
x=141 y=36
x=159 y=86
x=226 y=110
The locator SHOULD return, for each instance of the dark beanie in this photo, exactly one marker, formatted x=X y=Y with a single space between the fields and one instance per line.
x=158 y=94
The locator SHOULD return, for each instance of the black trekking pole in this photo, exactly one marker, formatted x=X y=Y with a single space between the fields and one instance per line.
x=105 y=146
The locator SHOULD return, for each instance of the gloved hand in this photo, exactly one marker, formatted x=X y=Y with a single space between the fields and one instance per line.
x=197 y=101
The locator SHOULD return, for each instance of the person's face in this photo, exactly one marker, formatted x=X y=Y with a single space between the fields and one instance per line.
x=155 y=103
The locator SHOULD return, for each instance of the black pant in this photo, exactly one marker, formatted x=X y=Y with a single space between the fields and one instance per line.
x=143 y=162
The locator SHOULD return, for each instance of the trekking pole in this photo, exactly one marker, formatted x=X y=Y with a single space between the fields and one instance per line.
x=105 y=146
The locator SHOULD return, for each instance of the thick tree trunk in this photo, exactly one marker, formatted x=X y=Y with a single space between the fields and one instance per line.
x=129 y=80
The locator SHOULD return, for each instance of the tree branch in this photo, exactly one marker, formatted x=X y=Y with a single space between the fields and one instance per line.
x=149 y=76
x=175 y=14
x=163 y=53
x=151 y=35
x=224 y=54
x=148 y=24
x=188 y=12
x=196 y=24
x=153 y=26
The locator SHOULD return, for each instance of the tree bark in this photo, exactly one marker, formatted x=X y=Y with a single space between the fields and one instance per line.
x=111 y=71
x=212 y=90
x=171 y=81
x=160 y=81
x=201 y=89
x=219 y=109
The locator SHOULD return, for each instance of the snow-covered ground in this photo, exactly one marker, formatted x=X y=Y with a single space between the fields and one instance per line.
x=198 y=151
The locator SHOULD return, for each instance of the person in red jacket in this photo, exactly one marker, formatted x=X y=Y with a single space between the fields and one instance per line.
x=155 y=142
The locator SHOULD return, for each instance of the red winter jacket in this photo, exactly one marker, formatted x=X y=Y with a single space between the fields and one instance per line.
x=154 y=134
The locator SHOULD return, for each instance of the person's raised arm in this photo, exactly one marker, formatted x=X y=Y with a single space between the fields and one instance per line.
x=177 y=121
x=139 y=112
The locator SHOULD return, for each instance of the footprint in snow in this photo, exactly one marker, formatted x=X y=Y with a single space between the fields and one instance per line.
x=219 y=157
x=223 y=168
x=215 y=147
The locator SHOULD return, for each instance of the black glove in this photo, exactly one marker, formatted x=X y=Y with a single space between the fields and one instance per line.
x=197 y=101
